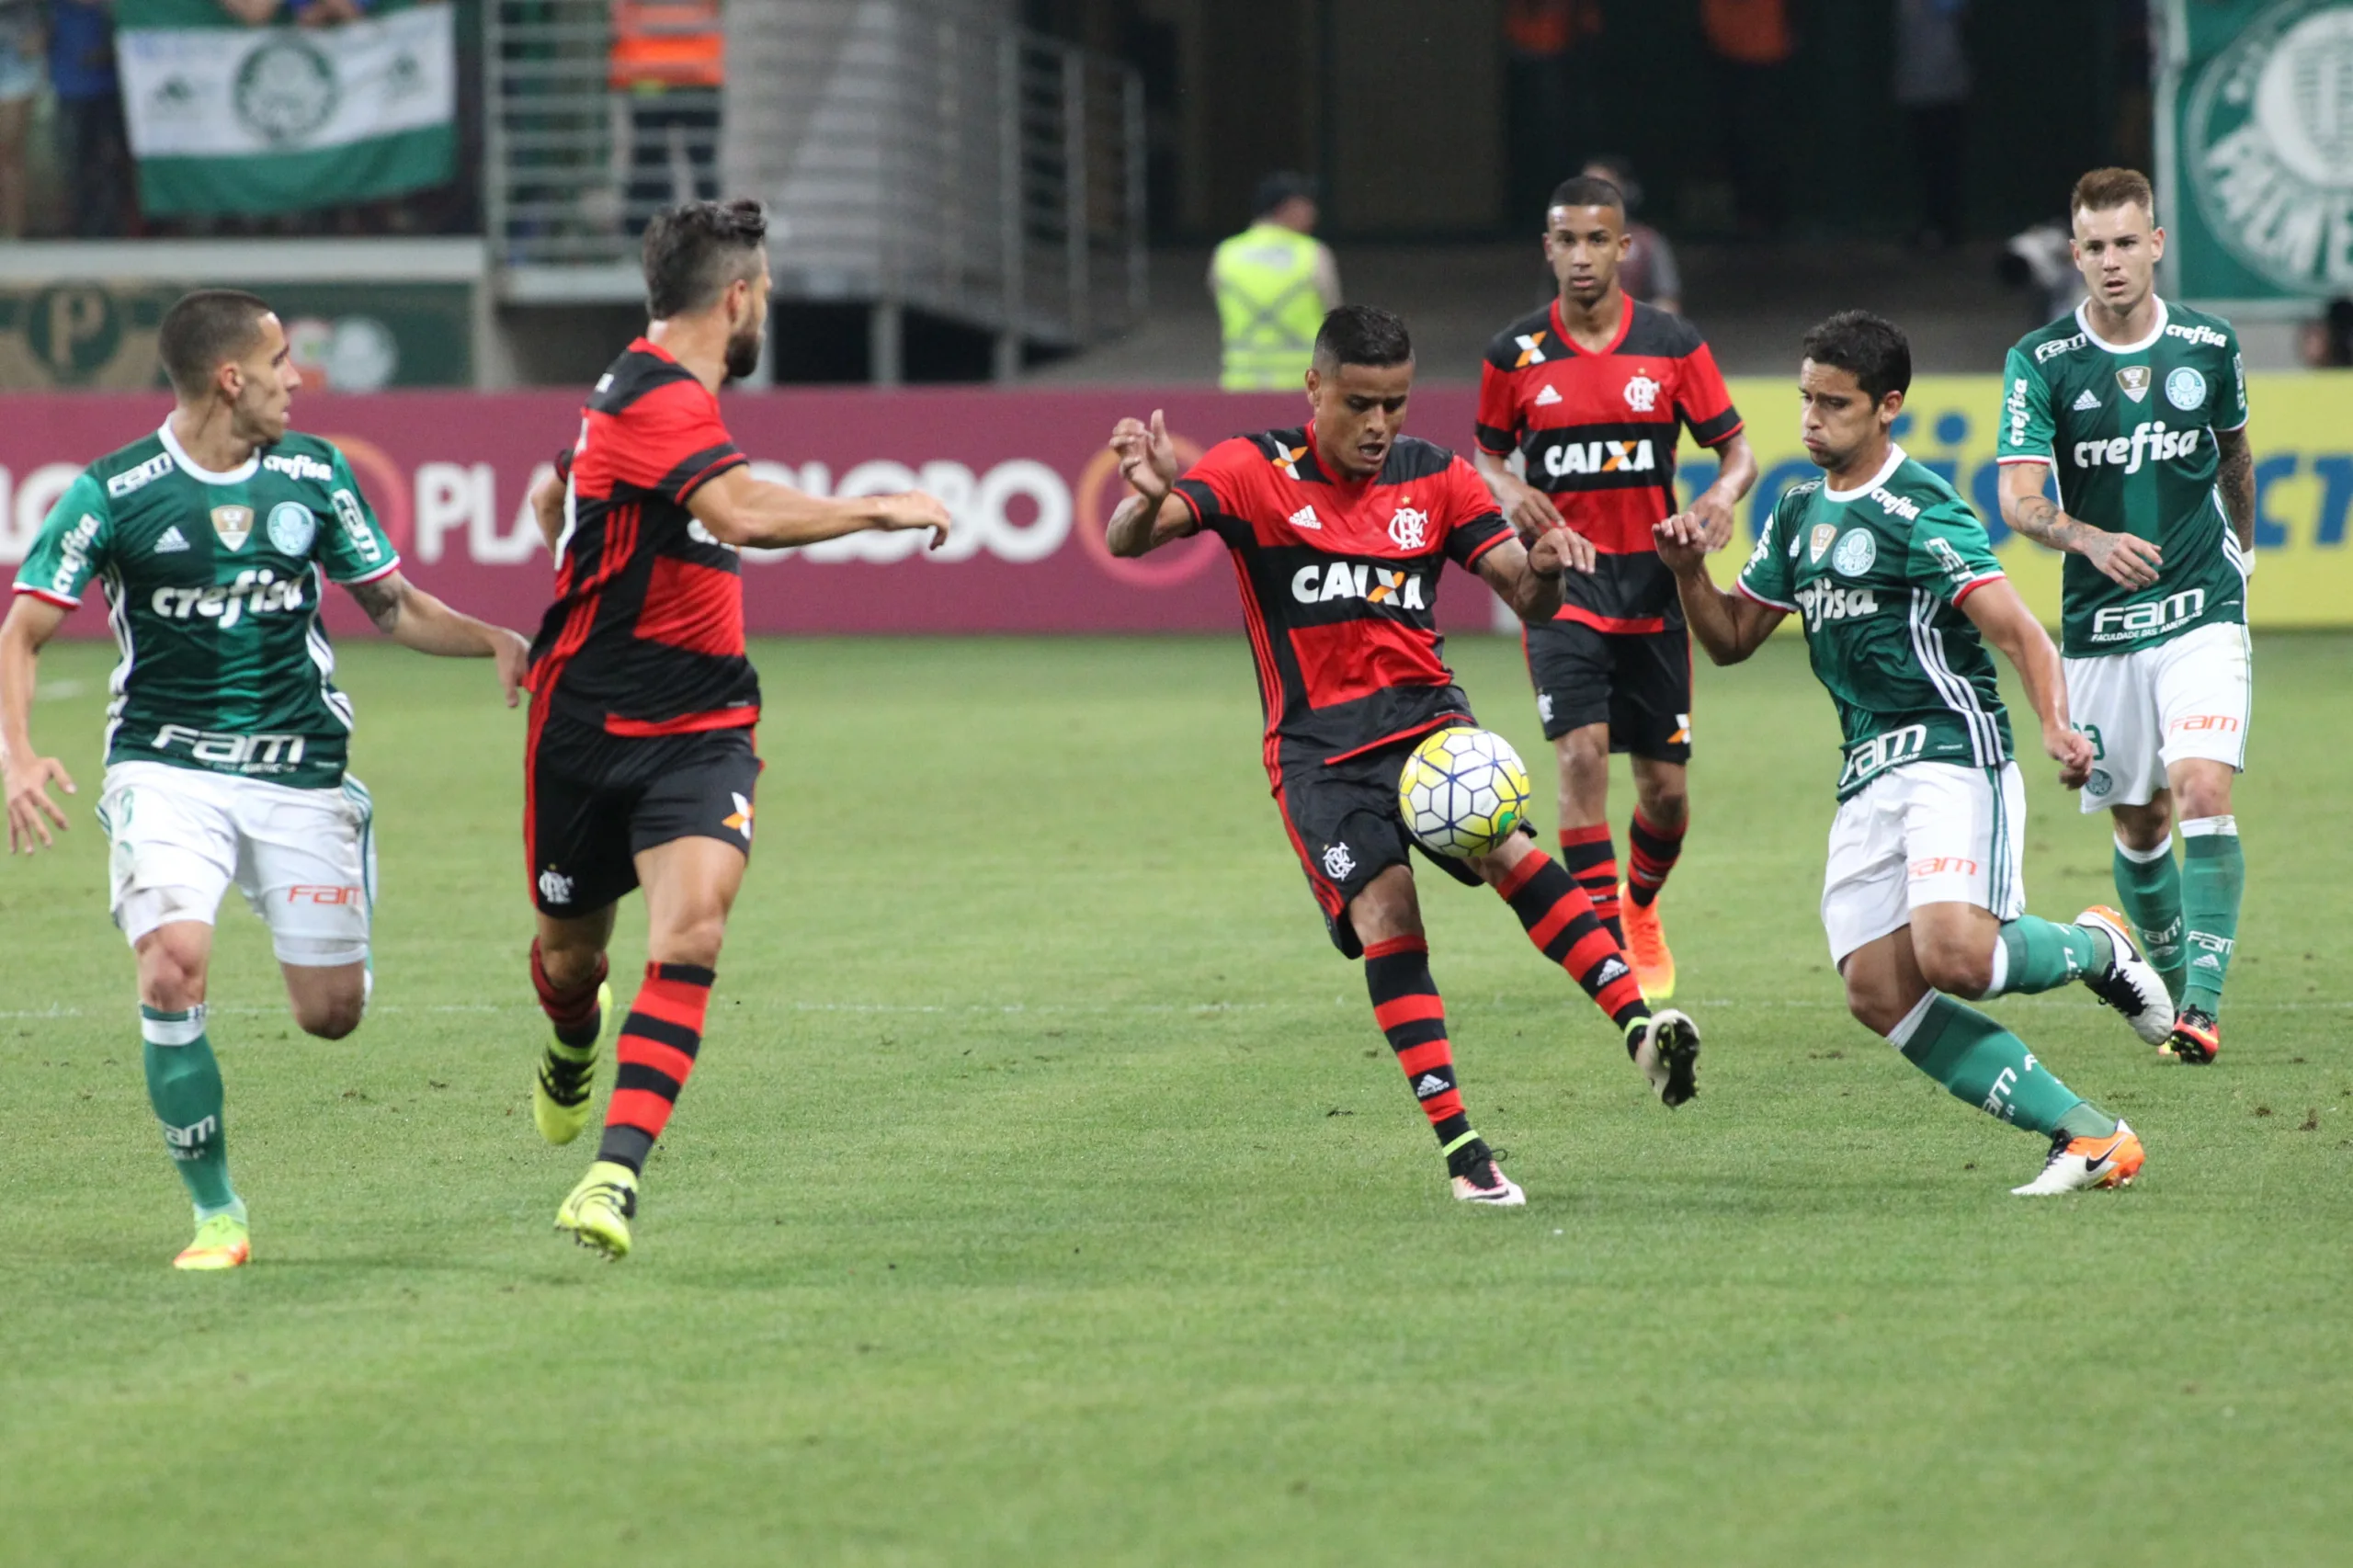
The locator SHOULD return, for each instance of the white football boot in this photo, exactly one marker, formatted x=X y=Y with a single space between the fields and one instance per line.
x=2074 y=1165
x=2131 y=983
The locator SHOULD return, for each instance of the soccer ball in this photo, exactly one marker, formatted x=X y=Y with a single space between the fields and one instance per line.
x=1464 y=792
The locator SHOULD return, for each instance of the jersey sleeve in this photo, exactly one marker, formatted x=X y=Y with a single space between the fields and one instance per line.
x=2229 y=409
x=1218 y=488
x=1475 y=524
x=357 y=549
x=672 y=441
x=1702 y=401
x=1951 y=556
x=71 y=546
x=1765 y=577
x=2026 y=426
x=1499 y=423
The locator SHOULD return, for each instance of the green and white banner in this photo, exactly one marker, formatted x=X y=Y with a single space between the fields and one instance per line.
x=230 y=119
x=2255 y=130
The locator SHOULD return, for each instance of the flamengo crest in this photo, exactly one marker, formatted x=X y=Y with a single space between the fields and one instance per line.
x=1641 y=393
x=1409 y=528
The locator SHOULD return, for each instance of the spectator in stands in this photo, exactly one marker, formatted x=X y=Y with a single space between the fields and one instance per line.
x=1932 y=87
x=1750 y=43
x=92 y=144
x=2328 y=340
x=1273 y=283
x=1551 y=106
x=1647 y=271
x=20 y=52
x=669 y=56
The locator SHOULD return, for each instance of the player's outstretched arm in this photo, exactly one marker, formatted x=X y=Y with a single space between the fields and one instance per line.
x=741 y=510
x=1155 y=515
x=1997 y=610
x=2123 y=558
x=415 y=619
x=32 y=622
x=2235 y=482
x=1729 y=626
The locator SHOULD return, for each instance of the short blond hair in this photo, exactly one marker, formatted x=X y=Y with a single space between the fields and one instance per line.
x=2103 y=189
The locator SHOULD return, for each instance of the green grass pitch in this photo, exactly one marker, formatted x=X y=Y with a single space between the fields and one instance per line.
x=1046 y=1194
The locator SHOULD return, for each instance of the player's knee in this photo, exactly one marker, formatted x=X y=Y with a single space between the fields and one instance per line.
x=1956 y=968
x=171 y=972
x=2203 y=796
x=1873 y=998
x=1664 y=805
x=569 y=968
x=694 y=940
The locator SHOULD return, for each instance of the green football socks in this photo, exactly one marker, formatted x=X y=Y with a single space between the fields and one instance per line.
x=2033 y=955
x=2148 y=884
x=2213 y=875
x=1979 y=1061
x=184 y=1086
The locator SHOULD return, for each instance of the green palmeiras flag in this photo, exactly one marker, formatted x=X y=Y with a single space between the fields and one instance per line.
x=225 y=118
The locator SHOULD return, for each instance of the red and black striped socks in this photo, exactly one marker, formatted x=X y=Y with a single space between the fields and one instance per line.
x=1650 y=854
x=571 y=1010
x=1406 y=1005
x=1563 y=924
x=1592 y=860
x=657 y=1050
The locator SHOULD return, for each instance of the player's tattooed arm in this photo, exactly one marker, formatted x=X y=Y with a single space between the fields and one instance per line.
x=32 y=622
x=2235 y=481
x=1729 y=626
x=415 y=619
x=2122 y=557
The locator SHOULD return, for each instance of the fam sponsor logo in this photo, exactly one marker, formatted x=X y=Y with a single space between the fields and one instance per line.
x=1942 y=866
x=2046 y=352
x=2149 y=440
x=1363 y=580
x=2127 y=623
x=1893 y=748
x=132 y=479
x=248 y=754
x=2204 y=724
x=331 y=894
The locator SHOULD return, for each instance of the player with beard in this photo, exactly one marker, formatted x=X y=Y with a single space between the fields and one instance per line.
x=1590 y=393
x=1339 y=532
x=641 y=769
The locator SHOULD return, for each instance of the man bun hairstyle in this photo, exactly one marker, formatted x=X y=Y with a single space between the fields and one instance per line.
x=2103 y=189
x=693 y=251
x=1870 y=348
x=1586 y=190
x=1362 y=334
x=204 y=331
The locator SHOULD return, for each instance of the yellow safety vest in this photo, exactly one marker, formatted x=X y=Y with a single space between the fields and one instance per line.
x=1268 y=307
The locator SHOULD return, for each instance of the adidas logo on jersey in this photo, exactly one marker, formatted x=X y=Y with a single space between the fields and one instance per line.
x=2085 y=400
x=1305 y=517
x=1548 y=397
x=173 y=539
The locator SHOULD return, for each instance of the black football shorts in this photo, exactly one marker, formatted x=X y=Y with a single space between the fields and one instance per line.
x=1639 y=683
x=1345 y=824
x=594 y=801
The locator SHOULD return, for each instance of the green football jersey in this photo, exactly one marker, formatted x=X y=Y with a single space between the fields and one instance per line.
x=213 y=585
x=2130 y=430
x=1876 y=575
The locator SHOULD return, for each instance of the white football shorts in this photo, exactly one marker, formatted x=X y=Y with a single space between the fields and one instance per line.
x=2154 y=707
x=1923 y=832
x=305 y=859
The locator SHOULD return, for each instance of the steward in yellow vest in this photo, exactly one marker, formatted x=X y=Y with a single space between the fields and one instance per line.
x=1273 y=283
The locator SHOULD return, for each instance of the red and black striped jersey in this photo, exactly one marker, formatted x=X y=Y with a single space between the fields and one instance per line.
x=646 y=633
x=1598 y=433
x=1339 y=584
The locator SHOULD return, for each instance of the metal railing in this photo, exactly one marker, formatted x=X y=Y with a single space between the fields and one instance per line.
x=915 y=154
